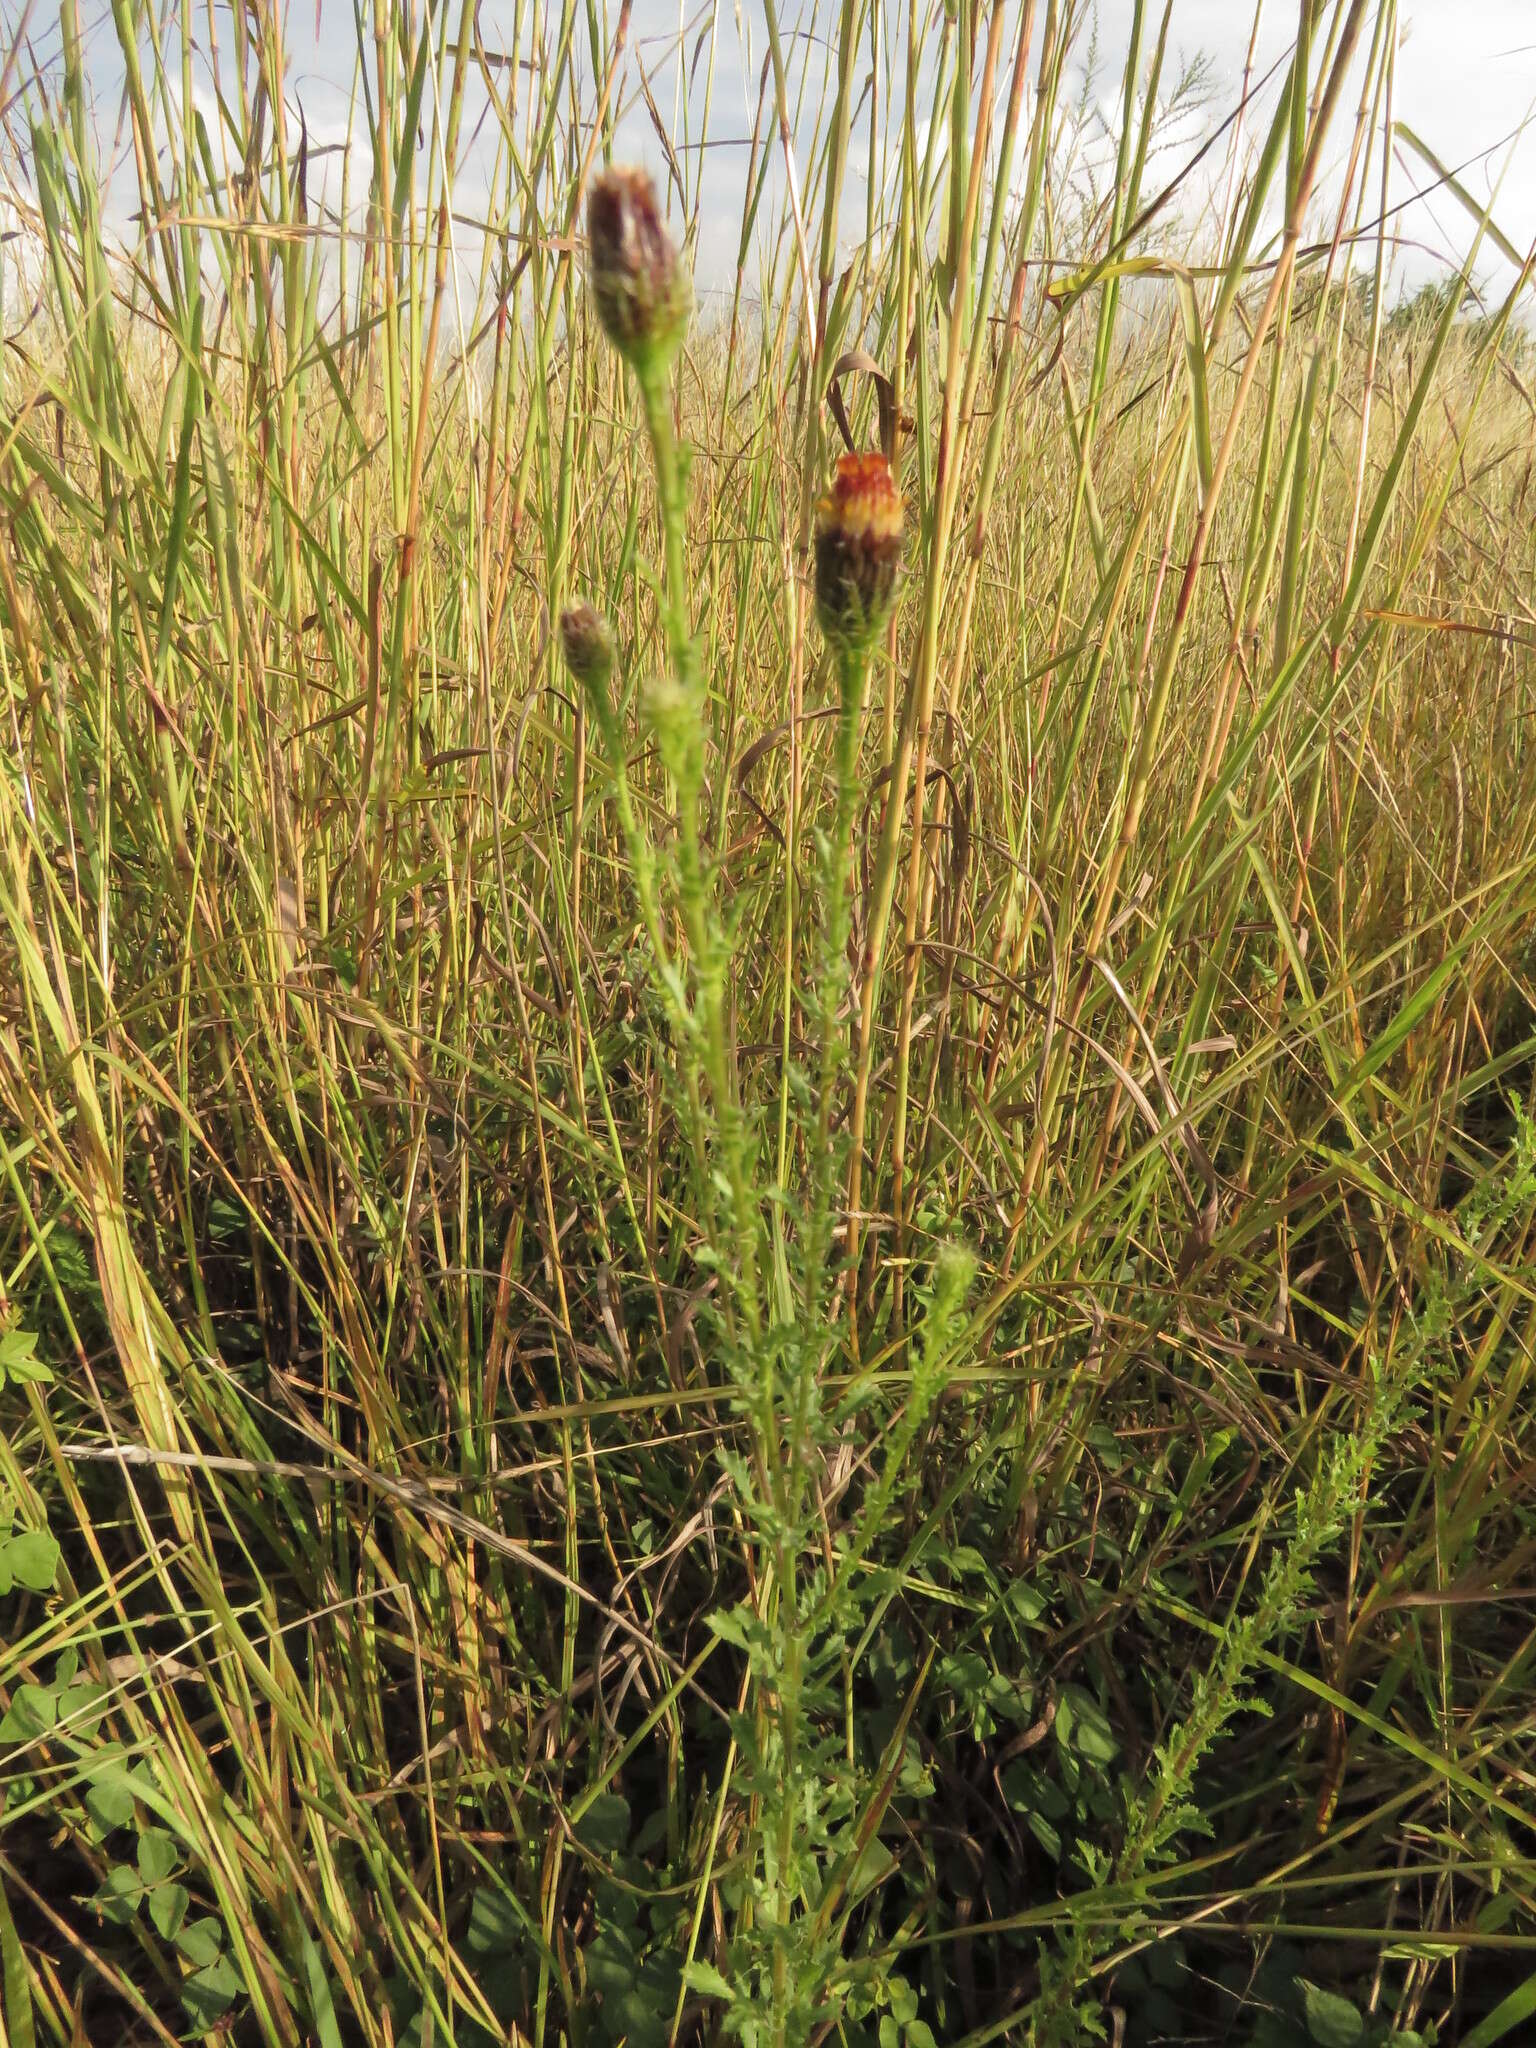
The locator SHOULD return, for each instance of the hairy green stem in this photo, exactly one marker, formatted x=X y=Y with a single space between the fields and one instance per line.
x=701 y=922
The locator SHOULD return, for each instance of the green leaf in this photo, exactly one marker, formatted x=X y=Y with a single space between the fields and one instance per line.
x=729 y=1625
x=873 y=1867
x=494 y=1926
x=82 y=1706
x=610 y=1963
x=119 y=1894
x=181 y=495
x=1500 y=241
x=1333 y=2022
x=109 y=1798
x=643 y=2024
x=14 y=1977
x=707 y=1981
x=1275 y=2030
x=200 y=1941
x=1194 y=364
x=321 y=2004
x=605 y=1824
x=903 y=2000
x=1047 y=1836
x=168 y=1908
x=405 y=168
x=1500 y=2024
x=19 y=1359
x=32 y=1558
x=1088 y=1728
x=208 y=1994
x=158 y=1855
x=32 y=1712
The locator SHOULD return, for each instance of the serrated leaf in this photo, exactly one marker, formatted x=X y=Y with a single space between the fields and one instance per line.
x=727 y=1623
x=707 y=1981
x=1333 y=2022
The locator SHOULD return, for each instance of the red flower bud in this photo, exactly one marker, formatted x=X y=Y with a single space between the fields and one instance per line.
x=858 y=550
x=586 y=640
x=642 y=291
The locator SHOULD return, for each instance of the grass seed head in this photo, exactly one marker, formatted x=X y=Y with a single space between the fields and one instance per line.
x=643 y=293
x=858 y=551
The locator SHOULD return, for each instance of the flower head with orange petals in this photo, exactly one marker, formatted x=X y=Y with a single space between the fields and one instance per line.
x=858 y=551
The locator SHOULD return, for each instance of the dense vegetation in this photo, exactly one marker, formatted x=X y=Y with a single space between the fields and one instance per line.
x=822 y=1334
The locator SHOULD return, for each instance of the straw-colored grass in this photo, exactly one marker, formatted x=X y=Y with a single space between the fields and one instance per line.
x=586 y=1457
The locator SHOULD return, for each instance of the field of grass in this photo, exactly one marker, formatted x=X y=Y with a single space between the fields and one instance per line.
x=829 y=1339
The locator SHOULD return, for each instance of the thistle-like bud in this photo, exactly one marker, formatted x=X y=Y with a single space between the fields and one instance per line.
x=642 y=291
x=858 y=551
x=675 y=715
x=586 y=640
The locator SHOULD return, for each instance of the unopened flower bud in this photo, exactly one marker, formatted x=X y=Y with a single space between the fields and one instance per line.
x=858 y=551
x=642 y=291
x=586 y=639
x=675 y=714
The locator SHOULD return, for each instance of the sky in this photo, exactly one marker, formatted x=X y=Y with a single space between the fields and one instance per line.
x=1466 y=83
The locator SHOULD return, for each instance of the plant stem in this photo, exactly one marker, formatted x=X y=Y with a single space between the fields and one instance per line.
x=710 y=950
x=853 y=673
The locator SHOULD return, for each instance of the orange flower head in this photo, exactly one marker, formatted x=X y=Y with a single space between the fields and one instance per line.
x=858 y=551
x=640 y=287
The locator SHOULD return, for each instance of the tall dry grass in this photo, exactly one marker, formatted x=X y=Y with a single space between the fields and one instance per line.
x=1091 y=1593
